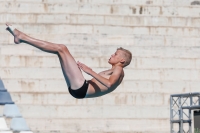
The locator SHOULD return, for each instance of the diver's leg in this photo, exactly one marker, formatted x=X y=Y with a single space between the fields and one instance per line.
x=72 y=73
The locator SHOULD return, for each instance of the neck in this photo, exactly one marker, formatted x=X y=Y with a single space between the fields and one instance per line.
x=115 y=65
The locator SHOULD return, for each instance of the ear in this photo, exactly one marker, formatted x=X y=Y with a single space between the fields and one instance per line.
x=122 y=61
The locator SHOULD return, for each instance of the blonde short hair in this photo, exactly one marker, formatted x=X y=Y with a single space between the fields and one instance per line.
x=128 y=56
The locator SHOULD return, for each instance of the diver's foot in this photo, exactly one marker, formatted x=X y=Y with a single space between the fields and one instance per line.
x=16 y=33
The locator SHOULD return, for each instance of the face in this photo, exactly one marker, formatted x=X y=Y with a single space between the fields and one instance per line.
x=116 y=57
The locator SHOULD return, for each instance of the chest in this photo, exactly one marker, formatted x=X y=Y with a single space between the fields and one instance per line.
x=106 y=73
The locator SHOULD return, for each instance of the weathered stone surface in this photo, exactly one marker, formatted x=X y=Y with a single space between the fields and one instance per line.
x=108 y=125
x=163 y=36
x=115 y=98
x=94 y=111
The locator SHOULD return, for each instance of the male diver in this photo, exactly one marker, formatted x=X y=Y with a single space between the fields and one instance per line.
x=102 y=83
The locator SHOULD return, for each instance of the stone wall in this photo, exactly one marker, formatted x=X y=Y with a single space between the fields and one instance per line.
x=163 y=36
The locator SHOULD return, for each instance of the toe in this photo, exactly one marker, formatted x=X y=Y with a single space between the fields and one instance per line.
x=7 y=24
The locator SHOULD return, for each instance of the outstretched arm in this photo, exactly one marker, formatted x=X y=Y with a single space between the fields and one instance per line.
x=107 y=82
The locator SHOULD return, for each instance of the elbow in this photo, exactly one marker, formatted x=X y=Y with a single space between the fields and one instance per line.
x=109 y=85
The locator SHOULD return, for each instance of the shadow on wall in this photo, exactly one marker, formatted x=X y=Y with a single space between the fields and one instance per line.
x=9 y=111
x=195 y=3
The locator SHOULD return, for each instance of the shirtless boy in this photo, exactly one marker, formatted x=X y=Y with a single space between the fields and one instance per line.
x=101 y=83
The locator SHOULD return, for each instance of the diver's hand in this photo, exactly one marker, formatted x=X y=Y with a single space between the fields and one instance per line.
x=85 y=68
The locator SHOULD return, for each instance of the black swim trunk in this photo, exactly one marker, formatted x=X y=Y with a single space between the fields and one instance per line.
x=81 y=92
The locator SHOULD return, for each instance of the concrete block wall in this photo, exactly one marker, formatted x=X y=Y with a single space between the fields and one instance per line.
x=163 y=36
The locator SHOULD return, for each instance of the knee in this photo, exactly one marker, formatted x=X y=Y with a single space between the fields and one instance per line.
x=62 y=48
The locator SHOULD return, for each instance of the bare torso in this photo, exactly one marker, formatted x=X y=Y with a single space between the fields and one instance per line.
x=96 y=88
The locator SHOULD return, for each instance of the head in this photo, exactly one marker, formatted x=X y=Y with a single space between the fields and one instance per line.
x=121 y=56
